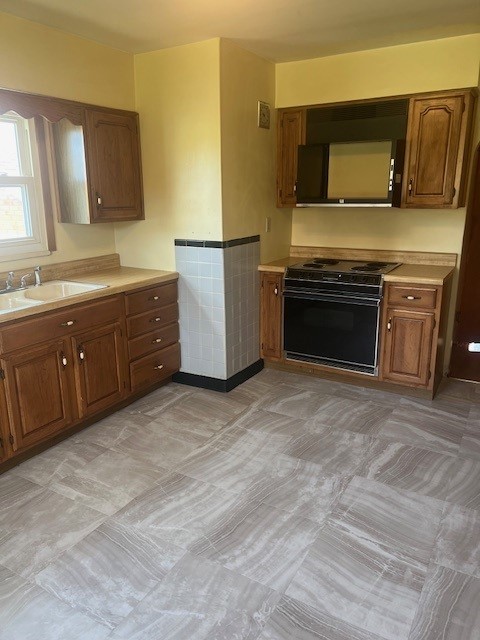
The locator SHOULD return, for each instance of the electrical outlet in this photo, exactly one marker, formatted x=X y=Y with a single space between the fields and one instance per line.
x=268 y=224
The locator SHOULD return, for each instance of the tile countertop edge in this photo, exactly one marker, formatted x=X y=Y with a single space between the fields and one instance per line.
x=411 y=273
x=119 y=280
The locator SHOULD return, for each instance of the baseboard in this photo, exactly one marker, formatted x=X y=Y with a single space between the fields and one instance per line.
x=215 y=384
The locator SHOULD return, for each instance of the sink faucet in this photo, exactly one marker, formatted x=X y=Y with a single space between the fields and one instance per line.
x=23 y=280
x=9 y=280
x=38 y=276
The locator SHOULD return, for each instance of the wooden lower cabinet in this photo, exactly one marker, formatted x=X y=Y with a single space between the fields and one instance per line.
x=49 y=385
x=38 y=392
x=99 y=369
x=408 y=342
x=271 y=312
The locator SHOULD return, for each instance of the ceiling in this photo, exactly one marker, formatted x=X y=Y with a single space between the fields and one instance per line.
x=279 y=30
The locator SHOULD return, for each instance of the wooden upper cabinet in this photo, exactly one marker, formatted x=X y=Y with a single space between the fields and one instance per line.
x=113 y=161
x=291 y=133
x=271 y=341
x=437 y=146
x=98 y=167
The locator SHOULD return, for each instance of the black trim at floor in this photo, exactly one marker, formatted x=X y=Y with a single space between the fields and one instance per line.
x=215 y=384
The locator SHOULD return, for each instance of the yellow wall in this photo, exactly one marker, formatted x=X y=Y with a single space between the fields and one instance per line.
x=38 y=59
x=450 y=63
x=248 y=152
x=415 y=68
x=178 y=99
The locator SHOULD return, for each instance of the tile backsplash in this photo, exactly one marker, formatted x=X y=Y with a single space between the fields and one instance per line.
x=219 y=305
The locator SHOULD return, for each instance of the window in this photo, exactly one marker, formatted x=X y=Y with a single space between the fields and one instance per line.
x=23 y=231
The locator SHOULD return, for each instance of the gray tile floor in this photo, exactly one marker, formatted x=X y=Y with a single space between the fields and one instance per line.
x=290 y=509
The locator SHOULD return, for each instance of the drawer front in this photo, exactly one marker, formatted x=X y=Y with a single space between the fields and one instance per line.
x=412 y=297
x=153 y=341
x=147 y=322
x=151 y=298
x=56 y=324
x=155 y=367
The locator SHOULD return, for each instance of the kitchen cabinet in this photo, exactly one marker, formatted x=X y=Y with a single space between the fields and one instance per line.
x=57 y=372
x=99 y=368
x=6 y=438
x=437 y=148
x=98 y=167
x=152 y=329
x=290 y=133
x=38 y=391
x=271 y=312
x=411 y=318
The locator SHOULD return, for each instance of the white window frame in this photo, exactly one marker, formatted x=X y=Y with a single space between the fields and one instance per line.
x=36 y=243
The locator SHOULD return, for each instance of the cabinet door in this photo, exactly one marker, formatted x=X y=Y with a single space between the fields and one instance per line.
x=6 y=438
x=271 y=315
x=408 y=347
x=113 y=165
x=38 y=392
x=99 y=368
x=291 y=133
x=435 y=149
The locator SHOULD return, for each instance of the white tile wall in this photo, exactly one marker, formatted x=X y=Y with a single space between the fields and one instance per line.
x=219 y=308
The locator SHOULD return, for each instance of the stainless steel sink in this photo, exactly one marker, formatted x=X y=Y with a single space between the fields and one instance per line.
x=48 y=292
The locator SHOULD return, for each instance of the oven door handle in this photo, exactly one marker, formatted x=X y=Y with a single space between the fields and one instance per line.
x=325 y=297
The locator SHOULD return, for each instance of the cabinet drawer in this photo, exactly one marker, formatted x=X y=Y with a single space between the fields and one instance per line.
x=146 y=322
x=151 y=298
x=153 y=341
x=412 y=297
x=155 y=367
x=60 y=323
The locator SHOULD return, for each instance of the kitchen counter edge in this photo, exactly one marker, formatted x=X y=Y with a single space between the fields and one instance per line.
x=118 y=280
x=411 y=273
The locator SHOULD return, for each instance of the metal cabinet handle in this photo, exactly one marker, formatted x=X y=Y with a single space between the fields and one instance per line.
x=153 y=297
x=156 y=341
x=389 y=324
x=275 y=291
x=410 y=185
x=64 y=360
x=68 y=323
x=412 y=297
x=81 y=353
x=99 y=200
x=159 y=366
x=155 y=319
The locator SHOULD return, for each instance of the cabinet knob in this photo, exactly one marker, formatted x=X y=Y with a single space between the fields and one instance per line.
x=410 y=185
x=99 y=200
x=153 y=297
x=389 y=324
x=64 y=360
x=412 y=297
x=68 y=323
x=155 y=319
x=275 y=291
x=156 y=341
x=81 y=353
x=158 y=367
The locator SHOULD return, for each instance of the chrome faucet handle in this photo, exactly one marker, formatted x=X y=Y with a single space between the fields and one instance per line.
x=23 y=280
x=9 y=280
x=38 y=276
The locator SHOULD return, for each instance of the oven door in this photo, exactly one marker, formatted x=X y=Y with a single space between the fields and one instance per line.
x=332 y=329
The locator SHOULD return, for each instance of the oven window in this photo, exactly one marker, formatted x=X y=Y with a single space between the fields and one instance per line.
x=338 y=331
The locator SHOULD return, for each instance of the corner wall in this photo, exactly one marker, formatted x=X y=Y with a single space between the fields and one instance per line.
x=178 y=99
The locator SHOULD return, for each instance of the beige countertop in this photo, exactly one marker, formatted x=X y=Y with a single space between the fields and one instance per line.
x=118 y=280
x=414 y=273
